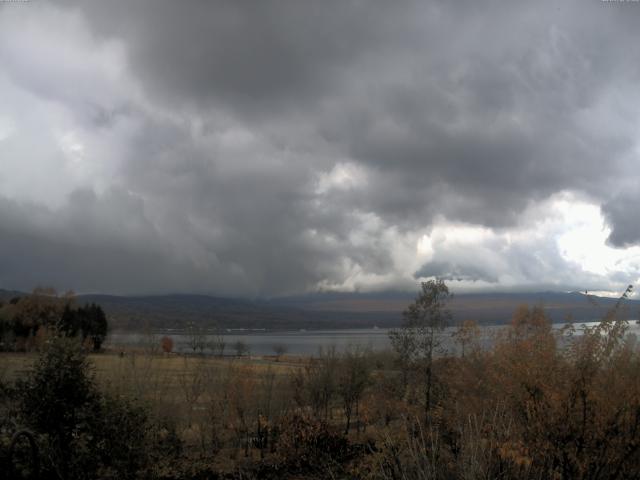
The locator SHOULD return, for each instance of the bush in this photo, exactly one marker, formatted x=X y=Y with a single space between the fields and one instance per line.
x=307 y=444
x=82 y=433
x=122 y=448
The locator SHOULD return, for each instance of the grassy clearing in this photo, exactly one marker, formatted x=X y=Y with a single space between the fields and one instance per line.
x=13 y=365
x=188 y=392
x=113 y=369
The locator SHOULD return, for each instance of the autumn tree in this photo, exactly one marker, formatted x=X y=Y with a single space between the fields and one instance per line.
x=44 y=307
x=577 y=410
x=166 y=343
x=45 y=310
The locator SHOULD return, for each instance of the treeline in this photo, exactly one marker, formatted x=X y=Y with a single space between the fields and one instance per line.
x=27 y=322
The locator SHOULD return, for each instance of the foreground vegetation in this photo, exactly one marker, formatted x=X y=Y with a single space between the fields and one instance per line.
x=538 y=404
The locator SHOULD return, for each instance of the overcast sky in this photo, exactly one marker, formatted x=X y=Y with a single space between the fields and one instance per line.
x=278 y=147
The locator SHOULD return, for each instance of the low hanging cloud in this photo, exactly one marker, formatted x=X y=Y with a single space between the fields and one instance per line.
x=279 y=147
x=455 y=272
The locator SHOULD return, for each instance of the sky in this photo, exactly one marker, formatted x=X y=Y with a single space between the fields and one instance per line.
x=276 y=147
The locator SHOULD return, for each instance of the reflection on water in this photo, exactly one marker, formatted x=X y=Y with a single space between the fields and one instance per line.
x=305 y=342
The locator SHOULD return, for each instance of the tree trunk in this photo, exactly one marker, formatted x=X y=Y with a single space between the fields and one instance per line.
x=427 y=393
x=347 y=413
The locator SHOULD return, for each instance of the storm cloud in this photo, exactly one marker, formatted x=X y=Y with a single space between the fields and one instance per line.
x=275 y=147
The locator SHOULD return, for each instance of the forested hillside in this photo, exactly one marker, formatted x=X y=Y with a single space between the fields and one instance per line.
x=331 y=310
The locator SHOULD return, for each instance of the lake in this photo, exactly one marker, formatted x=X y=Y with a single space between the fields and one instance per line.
x=303 y=342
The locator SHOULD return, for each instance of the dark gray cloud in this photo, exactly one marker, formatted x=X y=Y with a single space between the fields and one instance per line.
x=107 y=243
x=278 y=146
x=621 y=213
x=250 y=55
x=468 y=112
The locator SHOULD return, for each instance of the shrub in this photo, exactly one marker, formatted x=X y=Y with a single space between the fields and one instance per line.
x=83 y=433
x=307 y=444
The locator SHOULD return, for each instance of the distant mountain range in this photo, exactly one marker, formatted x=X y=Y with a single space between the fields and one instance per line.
x=331 y=310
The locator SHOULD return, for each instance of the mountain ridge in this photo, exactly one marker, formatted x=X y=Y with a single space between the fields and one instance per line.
x=330 y=309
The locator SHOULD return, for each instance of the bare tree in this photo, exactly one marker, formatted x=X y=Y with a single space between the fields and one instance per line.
x=354 y=377
x=320 y=381
x=196 y=338
x=149 y=341
x=279 y=349
x=466 y=335
x=217 y=344
x=241 y=348
x=418 y=338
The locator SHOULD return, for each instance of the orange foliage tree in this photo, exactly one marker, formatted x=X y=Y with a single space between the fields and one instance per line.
x=166 y=343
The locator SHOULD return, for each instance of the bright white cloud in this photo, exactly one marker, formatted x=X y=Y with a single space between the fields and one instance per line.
x=343 y=176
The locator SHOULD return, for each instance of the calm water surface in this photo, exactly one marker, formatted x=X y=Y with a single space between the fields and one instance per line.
x=304 y=342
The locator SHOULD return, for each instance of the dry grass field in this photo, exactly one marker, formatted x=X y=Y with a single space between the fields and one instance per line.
x=186 y=391
x=12 y=365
